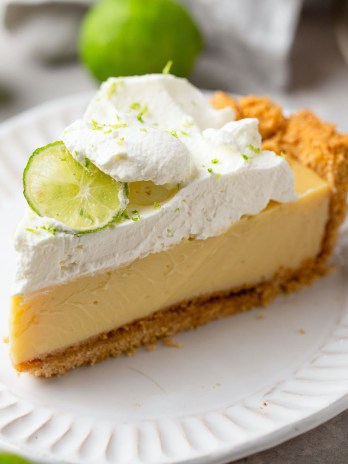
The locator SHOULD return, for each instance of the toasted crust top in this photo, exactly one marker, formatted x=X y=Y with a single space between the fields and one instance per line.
x=315 y=143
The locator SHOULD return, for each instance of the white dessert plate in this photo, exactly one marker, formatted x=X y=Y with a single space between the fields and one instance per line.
x=234 y=387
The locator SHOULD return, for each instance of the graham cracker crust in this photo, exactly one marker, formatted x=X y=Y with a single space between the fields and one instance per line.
x=303 y=136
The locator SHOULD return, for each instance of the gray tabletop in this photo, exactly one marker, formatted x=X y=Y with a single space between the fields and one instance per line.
x=320 y=82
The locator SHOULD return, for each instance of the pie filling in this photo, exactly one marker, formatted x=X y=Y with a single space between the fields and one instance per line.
x=253 y=250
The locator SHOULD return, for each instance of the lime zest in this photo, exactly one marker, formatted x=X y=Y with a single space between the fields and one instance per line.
x=135 y=106
x=172 y=132
x=212 y=172
x=33 y=231
x=168 y=67
x=215 y=161
x=245 y=157
x=253 y=148
x=118 y=126
x=156 y=205
x=135 y=215
x=114 y=88
x=142 y=113
x=51 y=229
x=95 y=125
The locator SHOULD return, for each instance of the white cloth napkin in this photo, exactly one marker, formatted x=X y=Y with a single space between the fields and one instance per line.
x=247 y=42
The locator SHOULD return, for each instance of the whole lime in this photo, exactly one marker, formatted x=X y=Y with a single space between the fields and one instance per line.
x=127 y=37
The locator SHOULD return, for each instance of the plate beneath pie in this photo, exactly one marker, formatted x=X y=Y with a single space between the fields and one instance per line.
x=228 y=390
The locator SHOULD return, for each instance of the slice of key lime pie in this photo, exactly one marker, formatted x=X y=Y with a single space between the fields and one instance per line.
x=157 y=212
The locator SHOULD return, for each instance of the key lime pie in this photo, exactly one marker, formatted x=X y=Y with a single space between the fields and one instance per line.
x=157 y=212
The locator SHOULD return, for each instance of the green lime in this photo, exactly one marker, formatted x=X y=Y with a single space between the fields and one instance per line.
x=11 y=459
x=81 y=197
x=128 y=37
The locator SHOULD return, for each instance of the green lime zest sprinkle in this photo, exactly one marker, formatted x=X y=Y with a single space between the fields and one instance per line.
x=135 y=106
x=172 y=132
x=156 y=205
x=108 y=131
x=211 y=171
x=215 y=161
x=51 y=229
x=33 y=231
x=95 y=125
x=168 y=67
x=254 y=149
x=282 y=153
x=118 y=126
x=143 y=129
x=135 y=215
x=155 y=124
x=142 y=113
x=114 y=87
x=245 y=157
x=120 y=141
x=176 y=210
x=186 y=134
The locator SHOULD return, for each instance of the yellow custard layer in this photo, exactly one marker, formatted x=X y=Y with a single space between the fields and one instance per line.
x=251 y=251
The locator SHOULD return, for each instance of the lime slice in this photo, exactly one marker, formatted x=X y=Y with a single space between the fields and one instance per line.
x=81 y=197
x=145 y=193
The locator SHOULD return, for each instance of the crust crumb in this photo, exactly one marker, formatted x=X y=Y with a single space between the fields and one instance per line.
x=151 y=347
x=221 y=100
x=172 y=343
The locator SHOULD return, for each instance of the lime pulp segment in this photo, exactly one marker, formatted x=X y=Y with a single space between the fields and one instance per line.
x=81 y=197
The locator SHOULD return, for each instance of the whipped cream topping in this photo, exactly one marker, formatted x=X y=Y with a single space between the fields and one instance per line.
x=137 y=128
x=218 y=162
